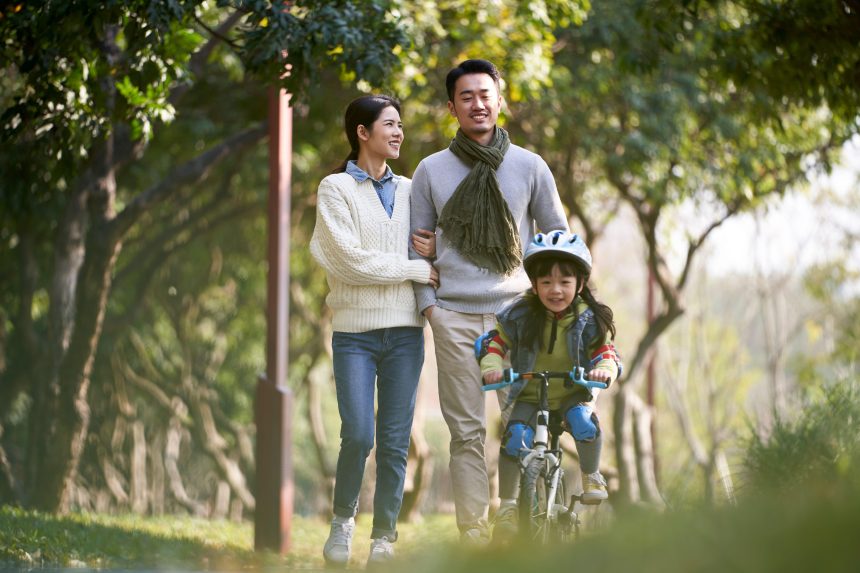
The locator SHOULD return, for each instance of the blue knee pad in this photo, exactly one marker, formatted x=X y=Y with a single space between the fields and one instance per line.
x=583 y=423
x=517 y=437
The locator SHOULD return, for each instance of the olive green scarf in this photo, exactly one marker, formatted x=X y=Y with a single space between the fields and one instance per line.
x=476 y=219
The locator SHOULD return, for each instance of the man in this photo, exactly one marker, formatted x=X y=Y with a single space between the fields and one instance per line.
x=482 y=195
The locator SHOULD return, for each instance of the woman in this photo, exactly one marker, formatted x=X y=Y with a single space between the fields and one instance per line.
x=361 y=239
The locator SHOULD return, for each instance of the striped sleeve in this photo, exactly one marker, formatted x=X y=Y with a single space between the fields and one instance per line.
x=497 y=349
x=607 y=357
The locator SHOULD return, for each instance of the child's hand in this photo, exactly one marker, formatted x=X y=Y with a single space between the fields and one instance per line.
x=493 y=377
x=424 y=243
x=598 y=375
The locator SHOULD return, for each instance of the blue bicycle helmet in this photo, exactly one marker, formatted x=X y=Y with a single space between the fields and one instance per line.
x=557 y=244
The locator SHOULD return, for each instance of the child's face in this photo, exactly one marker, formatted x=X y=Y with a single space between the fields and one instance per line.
x=556 y=290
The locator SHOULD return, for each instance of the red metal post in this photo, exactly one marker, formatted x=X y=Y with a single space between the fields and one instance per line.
x=274 y=400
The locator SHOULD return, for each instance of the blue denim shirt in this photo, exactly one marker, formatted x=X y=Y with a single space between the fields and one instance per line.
x=385 y=187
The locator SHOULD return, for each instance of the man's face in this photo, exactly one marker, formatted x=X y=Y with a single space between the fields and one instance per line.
x=476 y=106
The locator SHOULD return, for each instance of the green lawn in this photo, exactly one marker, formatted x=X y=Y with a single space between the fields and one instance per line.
x=129 y=541
x=803 y=529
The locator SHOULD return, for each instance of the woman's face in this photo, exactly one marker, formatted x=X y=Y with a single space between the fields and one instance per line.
x=384 y=136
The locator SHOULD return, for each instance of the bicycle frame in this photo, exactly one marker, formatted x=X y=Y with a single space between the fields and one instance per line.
x=546 y=444
x=546 y=450
x=543 y=439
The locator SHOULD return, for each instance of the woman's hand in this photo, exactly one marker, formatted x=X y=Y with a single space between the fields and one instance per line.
x=493 y=377
x=434 y=277
x=424 y=243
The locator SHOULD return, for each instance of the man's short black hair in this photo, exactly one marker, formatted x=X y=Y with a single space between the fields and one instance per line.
x=470 y=67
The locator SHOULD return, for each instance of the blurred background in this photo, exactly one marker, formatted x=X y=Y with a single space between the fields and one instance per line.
x=707 y=151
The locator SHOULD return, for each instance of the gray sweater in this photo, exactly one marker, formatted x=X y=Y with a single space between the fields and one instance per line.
x=531 y=194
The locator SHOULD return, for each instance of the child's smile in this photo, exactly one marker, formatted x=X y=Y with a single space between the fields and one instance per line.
x=556 y=291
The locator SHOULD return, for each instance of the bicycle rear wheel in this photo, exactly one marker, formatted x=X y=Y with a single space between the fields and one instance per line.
x=532 y=502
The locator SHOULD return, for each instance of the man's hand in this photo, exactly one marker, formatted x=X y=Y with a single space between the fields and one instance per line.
x=428 y=312
x=434 y=279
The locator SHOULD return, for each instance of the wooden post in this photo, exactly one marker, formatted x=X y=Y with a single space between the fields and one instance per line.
x=274 y=400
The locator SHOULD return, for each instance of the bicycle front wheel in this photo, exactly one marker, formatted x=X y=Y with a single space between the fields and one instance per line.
x=533 y=502
x=564 y=529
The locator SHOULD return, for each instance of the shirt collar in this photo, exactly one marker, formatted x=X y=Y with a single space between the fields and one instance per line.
x=360 y=175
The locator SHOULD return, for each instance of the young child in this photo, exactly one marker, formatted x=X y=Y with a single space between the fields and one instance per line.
x=557 y=325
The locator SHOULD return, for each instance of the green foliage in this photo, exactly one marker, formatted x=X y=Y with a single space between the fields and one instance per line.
x=821 y=443
x=799 y=53
x=659 y=126
x=63 y=56
x=767 y=534
x=831 y=284
x=360 y=38
x=518 y=36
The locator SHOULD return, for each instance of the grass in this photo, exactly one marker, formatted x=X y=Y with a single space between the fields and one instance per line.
x=801 y=530
x=128 y=541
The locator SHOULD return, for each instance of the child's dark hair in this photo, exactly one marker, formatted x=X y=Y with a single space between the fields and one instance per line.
x=536 y=320
x=362 y=111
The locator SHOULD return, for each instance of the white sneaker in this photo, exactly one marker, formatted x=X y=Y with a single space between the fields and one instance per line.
x=475 y=537
x=506 y=522
x=381 y=550
x=339 y=542
x=593 y=489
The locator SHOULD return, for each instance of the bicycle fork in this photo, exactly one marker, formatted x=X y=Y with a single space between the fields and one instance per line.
x=553 y=464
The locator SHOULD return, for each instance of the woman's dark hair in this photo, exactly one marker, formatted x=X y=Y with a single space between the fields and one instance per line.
x=470 y=67
x=536 y=319
x=363 y=111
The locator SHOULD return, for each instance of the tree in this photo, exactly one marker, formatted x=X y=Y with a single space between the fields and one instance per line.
x=87 y=89
x=652 y=126
x=798 y=55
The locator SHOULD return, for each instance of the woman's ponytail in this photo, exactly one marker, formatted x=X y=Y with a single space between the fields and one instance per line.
x=353 y=156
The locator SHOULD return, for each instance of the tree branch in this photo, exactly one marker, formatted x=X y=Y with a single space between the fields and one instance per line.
x=188 y=173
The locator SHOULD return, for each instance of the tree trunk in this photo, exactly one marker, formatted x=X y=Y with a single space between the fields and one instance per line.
x=139 y=485
x=76 y=325
x=645 y=467
x=156 y=463
x=625 y=452
x=63 y=440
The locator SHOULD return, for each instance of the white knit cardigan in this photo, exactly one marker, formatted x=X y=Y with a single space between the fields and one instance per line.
x=365 y=255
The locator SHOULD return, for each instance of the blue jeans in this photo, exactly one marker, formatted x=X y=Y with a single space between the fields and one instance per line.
x=388 y=360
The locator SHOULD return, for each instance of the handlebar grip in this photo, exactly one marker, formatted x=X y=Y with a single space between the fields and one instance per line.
x=508 y=378
x=577 y=375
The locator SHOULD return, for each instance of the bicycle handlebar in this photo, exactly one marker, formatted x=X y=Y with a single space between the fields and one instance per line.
x=577 y=376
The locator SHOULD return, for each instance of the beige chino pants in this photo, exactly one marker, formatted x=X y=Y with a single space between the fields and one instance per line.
x=462 y=404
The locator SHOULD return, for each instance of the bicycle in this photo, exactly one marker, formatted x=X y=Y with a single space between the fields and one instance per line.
x=543 y=515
